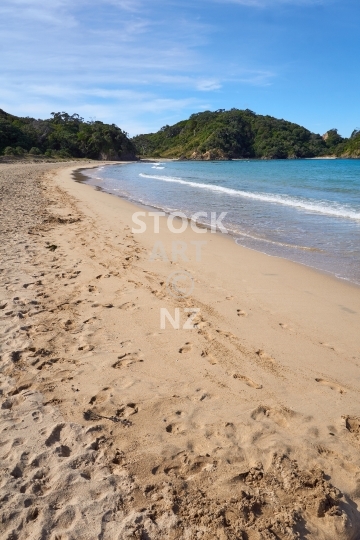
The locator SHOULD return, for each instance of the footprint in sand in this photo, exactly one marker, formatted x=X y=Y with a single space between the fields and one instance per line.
x=128 y=306
x=225 y=334
x=102 y=396
x=185 y=464
x=201 y=395
x=268 y=362
x=209 y=357
x=125 y=343
x=281 y=417
x=186 y=348
x=65 y=519
x=265 y=356
x=327 y=345
x=127 y=410
x=158 y=294
x=201 y=325
x=125 y=360
x=86 y=348
x=207 y=335
x=176 y=428
x=241 y=313
x=352 y=424
x=229 y=429
x=91 y=288
x=27 y=285
x=47 y=363
x=66 y=325
x=247 y=381
x=331 y=384
x=55 y=435
x=7 y=404
x=14 y=356
x=90 y=321
x=11 y=402
x=20 y=389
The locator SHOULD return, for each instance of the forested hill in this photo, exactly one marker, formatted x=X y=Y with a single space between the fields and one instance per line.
x=63 y=136
x=242 y=134
x=207 y=135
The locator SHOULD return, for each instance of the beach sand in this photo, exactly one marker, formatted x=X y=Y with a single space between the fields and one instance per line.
x=245 y=426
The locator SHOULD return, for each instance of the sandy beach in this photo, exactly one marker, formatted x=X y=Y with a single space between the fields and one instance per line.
x=243 y=422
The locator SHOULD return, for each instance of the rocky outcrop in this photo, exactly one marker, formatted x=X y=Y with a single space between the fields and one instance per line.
x=210 y=155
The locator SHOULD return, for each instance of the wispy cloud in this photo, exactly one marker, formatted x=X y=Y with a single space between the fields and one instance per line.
x=126 y=5
x=118 y=60
x=56 y=12
x=271 y=3
x=208 y=85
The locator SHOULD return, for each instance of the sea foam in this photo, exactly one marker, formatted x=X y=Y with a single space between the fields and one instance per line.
x=325 y=207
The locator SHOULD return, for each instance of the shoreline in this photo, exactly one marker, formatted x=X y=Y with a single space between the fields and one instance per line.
x=83 y=178
x=245 y=424
x=164 y=159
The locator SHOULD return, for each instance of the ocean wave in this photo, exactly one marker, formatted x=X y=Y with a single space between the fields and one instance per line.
x=325 y=207
x=273 y=242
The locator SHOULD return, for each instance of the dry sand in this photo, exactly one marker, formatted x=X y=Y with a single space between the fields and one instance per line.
x=243 y=427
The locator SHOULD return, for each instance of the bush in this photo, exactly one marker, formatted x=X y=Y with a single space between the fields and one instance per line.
x=19 y=151
x=9 y=151
x=65 y=136
x=63 y=154
x=48 y=153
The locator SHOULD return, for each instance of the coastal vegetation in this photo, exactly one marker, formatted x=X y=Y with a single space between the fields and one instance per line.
x=242 y=134
x=350 y=147
x=233 y=134
x=63 y=136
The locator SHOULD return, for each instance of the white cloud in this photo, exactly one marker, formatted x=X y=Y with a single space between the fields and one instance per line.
x=257 y=78
x=124 y=107
x=115 y=60
x=56 y=12
x=208 y=85
x=270 y=3
x=126 y=5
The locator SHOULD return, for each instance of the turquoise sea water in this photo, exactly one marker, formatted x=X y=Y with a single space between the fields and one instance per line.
x=304 y=210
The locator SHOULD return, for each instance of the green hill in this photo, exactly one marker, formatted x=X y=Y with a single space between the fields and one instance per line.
x=63 y=136
x=351 y=147
x=236 y=134
x=207 y=135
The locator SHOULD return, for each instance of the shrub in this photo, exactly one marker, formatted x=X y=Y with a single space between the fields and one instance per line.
x=63 y=154
x=9 y=151
x=34 y=151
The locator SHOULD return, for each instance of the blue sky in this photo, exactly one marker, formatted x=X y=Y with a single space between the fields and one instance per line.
x=143 y=64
